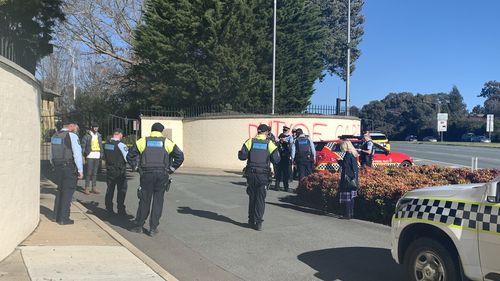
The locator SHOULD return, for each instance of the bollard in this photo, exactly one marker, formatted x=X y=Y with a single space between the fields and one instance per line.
x=474 y=163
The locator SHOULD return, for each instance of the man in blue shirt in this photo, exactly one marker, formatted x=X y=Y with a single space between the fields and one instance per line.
x=66 y=156
x=115 y=153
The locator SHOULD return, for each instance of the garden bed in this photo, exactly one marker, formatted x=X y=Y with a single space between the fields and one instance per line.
x=380 y=188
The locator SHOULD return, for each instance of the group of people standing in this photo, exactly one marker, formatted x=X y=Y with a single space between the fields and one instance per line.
x=261 y=151
x=154 y=157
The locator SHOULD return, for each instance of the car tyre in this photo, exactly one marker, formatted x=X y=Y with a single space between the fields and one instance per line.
x=405 y=164
x=428 y=260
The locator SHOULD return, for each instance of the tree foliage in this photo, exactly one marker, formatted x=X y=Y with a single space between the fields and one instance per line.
x=30 y=23
x=491 y=91
x=218 y=52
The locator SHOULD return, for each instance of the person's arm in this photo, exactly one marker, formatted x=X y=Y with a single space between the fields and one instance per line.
x=77 y=153
x=177 y=157
x=313 y=150
x=123 y=149
x=293 y=152
x=243 y=153
x=133 y=157
x=275 y=155
x=84 y=144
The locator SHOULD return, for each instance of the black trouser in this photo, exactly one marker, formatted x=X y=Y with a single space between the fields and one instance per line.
x=116 y=177
x=349 y=208
x=256 y=190
x=91 y=172
x=152 y=188
x=366 y=160
x=304 y=168
x=66 y=180
x=283 y=173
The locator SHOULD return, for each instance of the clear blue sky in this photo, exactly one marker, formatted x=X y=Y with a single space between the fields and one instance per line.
x=422 y=46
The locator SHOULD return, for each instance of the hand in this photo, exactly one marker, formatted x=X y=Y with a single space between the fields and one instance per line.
x=80 y=175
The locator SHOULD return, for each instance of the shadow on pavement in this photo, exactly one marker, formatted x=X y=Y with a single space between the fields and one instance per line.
x=353 y=264
x=234 y=172
x=209 y=215
x=298 y=208
x=240 y=183
x=103 y=215
x=48 y=213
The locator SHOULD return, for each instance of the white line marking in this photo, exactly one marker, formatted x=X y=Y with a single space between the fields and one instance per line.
x=452 y=165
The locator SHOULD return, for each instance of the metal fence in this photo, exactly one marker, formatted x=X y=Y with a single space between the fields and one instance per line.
x=17 y=52
x=218 y=110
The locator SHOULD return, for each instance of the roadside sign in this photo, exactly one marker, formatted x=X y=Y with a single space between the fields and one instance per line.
x=490 y=120
x=442 y=126
x=442 y=116
x=135 y=125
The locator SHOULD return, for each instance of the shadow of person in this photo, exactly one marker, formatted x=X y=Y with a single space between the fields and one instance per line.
x=353 y=264
x=102 y=214
x=298 y=208
x=48 y=213
x=209 y=215
x=240 y=183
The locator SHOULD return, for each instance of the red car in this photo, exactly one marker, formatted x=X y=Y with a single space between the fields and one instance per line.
x=328 y=152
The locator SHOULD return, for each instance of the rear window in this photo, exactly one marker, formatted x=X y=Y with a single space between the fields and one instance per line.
x=319 y=145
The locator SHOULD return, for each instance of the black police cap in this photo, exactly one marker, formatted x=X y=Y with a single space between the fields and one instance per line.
x=117 y=131
x=157 y=127
x=262 y=128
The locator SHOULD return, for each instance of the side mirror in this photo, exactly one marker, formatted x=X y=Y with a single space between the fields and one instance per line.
x=494 y=198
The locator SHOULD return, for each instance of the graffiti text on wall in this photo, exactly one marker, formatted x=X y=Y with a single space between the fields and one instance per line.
x=317 y=130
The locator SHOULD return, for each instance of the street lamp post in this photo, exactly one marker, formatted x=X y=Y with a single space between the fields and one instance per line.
x=274 y=57
x=348 y=68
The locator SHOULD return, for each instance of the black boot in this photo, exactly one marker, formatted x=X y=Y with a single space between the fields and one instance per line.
x=137 y=229
x=258 y=226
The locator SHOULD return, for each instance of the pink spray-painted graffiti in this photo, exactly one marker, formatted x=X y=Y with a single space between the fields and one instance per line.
x=316 y=130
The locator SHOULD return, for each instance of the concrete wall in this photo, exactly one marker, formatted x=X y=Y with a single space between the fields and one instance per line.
x=213 y=142
x=20 y=155
x=173 y=128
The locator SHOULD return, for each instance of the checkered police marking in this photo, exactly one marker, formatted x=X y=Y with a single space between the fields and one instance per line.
x=456 y=214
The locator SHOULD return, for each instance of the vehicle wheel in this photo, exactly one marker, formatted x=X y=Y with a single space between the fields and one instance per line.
x=405 y=164
x=428 y=260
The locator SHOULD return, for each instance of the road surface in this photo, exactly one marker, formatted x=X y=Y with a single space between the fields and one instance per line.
x=203 y=236
x=447 y=155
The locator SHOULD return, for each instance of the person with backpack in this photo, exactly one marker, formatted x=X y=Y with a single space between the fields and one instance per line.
x=303 y=154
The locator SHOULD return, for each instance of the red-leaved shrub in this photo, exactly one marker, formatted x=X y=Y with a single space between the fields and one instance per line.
x=380 y=188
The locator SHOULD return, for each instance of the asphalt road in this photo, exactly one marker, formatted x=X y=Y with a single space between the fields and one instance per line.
x=203 y=236
x=447 y=155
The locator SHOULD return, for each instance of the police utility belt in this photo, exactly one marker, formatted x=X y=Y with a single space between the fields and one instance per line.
x=256 y=170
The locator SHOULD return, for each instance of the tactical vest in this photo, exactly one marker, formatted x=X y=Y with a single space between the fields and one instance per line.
x=62 y=153
x=259 y=156
x=114 y=156
x=154 y=156
x=303 y=149
x=364 y=146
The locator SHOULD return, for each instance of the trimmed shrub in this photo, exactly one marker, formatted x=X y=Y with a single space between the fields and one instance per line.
x=380 y=188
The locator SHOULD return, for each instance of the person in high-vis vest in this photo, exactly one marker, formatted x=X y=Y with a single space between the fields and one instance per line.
x=66 y=157
x=303 y=154
x=115 y=154
x=93 y=152
x=155 y=157
x=259 y=152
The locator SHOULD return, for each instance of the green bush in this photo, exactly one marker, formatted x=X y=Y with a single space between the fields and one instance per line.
x=380 y=188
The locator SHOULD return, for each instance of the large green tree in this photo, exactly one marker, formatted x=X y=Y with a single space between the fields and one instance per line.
x=29 y=25
x=491 y=91
x=300 y=40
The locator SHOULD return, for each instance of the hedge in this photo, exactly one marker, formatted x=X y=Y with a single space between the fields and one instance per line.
x=381 y=187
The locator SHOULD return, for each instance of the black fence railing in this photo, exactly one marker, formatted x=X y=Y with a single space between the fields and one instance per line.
x=17 y=52
x=207 y=111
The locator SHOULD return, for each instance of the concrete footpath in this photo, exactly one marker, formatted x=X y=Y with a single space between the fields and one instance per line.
x=87 y=250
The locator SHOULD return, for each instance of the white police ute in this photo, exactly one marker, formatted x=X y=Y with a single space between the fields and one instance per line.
x=449 y=233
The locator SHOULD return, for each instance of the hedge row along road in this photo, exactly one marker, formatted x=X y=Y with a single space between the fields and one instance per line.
x=448 y=155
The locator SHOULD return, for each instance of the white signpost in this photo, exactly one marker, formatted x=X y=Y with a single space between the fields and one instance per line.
x=442 y=123
x=490 y=121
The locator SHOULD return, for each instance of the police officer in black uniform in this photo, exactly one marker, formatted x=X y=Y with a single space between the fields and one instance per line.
x=156 y=157
x=259 y=152
x=284 y=171
x=115 y=154
x=303 y=154
x=66 y=157
x=366 y=151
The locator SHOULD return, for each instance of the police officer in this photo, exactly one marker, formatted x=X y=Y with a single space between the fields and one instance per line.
x=285 y=151
x=366 y=151
x=115 y=154
x=259 y=153
x=303 y=154
x=156 y=157
x=66 y=156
